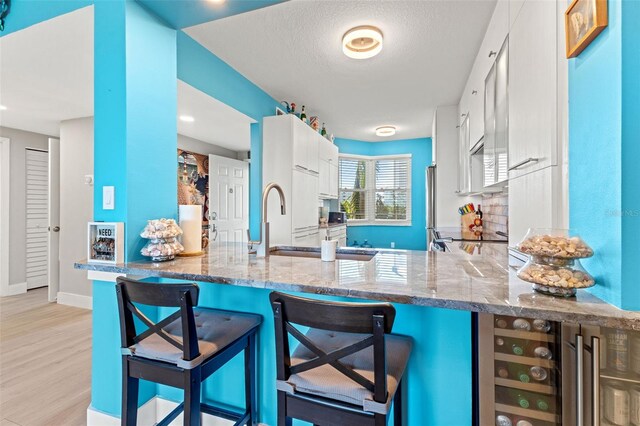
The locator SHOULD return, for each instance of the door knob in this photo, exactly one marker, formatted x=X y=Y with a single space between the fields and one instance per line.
x=56 y=229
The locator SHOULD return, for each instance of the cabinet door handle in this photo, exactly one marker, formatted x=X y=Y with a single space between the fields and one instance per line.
x=301 y=167
x=595 y=378
x=579 y=349
x=492 y=53
x=523 y=162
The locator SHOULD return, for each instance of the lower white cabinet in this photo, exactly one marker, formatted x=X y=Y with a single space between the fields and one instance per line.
x=306 y=238
x=338 y=233
x=536 y=200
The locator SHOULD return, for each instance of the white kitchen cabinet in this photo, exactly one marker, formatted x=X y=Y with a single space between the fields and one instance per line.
x=289 y=150
x=338 y=233
x=328 y=166
x=472 y=101
x=514 y=10
x=333 y=180
x=496 y=120
x=535 y=201
x=533 y=88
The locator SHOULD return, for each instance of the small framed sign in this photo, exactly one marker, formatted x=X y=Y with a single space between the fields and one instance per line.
x=106 y=242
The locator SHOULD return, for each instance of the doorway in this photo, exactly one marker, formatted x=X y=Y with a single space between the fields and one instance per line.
x=229 y=200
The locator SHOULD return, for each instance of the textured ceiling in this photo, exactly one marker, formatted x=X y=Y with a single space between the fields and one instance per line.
x=293 y=51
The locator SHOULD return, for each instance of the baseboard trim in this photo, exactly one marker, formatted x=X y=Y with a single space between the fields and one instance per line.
x=15 y=289
x=151 y=413
x=77 y=300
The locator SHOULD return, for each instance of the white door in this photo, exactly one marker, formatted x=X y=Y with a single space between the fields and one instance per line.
x=37 y=220
x=228 y=200
x=54 y=218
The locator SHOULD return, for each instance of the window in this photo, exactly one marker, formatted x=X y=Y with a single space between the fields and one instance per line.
x=376 y=190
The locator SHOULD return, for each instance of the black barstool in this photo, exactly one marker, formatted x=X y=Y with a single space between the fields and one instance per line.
x=346 y=370
x=183 y=349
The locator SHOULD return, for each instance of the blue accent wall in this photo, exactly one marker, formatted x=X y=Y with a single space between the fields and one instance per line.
x=604 y=148
x=405 y=237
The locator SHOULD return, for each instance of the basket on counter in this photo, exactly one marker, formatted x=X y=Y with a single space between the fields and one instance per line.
x=554 y=266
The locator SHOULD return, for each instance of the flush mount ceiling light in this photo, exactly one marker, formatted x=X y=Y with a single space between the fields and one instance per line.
x=187 y=118
x=362 y=42
x=385 y=131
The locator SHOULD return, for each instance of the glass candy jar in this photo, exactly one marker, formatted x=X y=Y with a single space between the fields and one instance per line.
x=554 y=267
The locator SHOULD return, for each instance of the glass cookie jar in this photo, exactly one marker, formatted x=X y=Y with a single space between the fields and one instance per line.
x=554 y=267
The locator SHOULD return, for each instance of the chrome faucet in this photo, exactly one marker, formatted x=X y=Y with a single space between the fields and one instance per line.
x=263 y=241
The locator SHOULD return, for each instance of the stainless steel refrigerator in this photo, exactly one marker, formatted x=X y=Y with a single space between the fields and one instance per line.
x=542 y=373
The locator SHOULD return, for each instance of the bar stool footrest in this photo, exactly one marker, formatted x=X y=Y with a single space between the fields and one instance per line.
x=239 y=418
x=172 y=415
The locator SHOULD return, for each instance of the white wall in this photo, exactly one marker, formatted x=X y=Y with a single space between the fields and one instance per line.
x=19 y=142
x=76 y=202
x=199 y=147
x=446 y=151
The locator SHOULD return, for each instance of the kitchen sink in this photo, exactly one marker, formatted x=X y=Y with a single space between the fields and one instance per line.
x=314 y=252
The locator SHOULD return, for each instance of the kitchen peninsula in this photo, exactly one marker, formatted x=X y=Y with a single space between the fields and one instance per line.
x=479 y=282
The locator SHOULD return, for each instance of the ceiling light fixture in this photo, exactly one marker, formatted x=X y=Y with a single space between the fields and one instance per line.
x=3 y=108
x=187 y=118
x=362 y=42
x=216 y=1
x=385 y=131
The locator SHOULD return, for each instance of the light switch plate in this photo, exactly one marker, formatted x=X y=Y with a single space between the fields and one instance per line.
x=108 y=198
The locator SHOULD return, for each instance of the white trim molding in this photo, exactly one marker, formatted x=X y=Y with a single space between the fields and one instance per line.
x=77 y=300
x=150 y=414
x=5 y=164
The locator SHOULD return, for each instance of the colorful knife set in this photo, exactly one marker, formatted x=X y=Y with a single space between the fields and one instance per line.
x=467 y=208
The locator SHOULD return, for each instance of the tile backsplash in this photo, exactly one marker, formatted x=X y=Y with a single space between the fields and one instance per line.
x=495 y=209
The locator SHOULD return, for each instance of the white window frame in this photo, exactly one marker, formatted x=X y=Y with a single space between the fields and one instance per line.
x=370 y=191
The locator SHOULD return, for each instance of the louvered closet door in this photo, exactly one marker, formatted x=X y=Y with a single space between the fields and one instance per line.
x=37 y=194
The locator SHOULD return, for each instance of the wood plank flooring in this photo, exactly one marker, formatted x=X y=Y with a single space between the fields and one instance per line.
x=45 y=362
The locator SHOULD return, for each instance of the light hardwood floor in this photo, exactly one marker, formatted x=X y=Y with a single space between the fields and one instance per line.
x=45 y=362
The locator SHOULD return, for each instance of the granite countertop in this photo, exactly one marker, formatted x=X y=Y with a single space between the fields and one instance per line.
x=331 y=225
x=471 y=276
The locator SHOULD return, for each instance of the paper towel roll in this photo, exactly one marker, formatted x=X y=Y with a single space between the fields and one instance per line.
x=191 y=224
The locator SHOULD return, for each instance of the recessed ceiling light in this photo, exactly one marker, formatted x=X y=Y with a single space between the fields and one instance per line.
x=362 y=42
x=385 y=131
x=187 y=118
x=3 y=108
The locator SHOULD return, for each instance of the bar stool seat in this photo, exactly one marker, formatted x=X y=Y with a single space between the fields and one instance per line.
x=327 y=382
x=216 y=329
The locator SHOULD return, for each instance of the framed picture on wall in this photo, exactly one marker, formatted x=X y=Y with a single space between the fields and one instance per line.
x=583 y=21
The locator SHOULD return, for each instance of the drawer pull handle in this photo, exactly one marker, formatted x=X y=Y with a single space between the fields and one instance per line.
x=523 y=162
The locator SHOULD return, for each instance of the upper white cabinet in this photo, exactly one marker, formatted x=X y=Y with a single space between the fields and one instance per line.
x=533 y=88
x=472 y=100
x=496 y=120
x=305 y=165
x=328 y=166
x=305 y=145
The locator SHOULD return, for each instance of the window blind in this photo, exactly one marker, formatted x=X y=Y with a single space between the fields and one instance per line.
x=392 y=189
x=353 y=188
x=376 y=189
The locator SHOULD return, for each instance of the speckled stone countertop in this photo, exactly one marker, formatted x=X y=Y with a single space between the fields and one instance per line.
x=472 y=276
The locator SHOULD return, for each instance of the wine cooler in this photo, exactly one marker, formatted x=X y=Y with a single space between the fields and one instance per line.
x=542 y=373
x=519 y=371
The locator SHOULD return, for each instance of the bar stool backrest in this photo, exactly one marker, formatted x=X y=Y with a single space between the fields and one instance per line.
x=184 y=296
x=375 y=319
